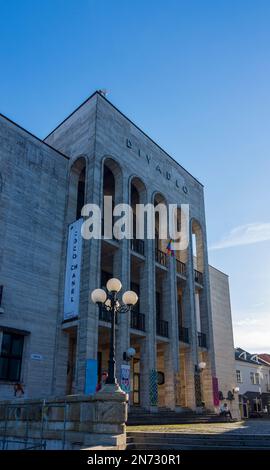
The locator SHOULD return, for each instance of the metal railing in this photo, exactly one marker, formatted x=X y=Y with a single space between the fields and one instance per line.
x=180 y=267
x=162 y=328
x=137 y=245
x=161 y=257
x=137 y=321
x=198 y=276
x=104 y=315
x=183 y=334
x=202 y=340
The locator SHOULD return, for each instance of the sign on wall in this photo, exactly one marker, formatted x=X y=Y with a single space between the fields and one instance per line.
x=73 y=270
x=91 y=373
x=125 y=378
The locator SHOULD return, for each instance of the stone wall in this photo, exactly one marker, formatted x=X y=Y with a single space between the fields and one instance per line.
x=32 y=202
x=72 y=422
x=223 y=336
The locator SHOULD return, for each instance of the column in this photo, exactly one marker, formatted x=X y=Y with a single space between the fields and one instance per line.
x=148 y=372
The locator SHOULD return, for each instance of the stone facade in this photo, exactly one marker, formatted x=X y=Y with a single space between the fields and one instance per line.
x=99 y=149
x=69 y=423
x=223 y=338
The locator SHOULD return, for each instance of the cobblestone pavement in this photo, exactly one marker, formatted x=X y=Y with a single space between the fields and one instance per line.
x=249 y=427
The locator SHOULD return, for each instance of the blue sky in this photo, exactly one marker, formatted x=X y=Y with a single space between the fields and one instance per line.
x=195 y=75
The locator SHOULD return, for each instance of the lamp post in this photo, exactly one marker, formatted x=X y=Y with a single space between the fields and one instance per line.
x=109 y=300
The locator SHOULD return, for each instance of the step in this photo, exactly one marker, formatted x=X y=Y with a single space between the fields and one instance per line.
x=175 y=420
x=180 y=435
x=194 y=447
x=140 y=440
x=189 y=438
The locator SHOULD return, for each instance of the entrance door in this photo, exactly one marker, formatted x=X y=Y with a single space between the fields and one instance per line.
x=136 y=381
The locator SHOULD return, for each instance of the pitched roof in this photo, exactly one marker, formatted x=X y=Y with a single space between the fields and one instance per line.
x=265 y=357
x=245 y=356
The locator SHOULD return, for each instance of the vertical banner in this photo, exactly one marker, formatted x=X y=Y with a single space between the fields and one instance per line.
x=73 y=270
x=125 y=378
x=90 y=377
x=215 y=391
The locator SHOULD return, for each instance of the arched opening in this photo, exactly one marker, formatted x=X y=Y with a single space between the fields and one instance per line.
x=112 y=187
x=76 y=201
x=137 y=196
x=181 y=254
x=198 y=265
x=80 y=193
x=76 y=195
x=160 y=225
x=197 y=246
x=137 y=265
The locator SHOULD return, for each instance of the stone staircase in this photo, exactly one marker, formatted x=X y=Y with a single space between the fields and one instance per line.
x=138 y=416
x=138 y=440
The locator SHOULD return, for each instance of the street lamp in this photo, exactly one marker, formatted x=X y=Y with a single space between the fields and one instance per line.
x=109 y=300
x=200 y=367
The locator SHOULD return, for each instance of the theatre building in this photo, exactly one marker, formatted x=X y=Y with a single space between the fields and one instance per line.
x=182 y=318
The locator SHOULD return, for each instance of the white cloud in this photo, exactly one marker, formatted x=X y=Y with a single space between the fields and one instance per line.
x=252 y=333
x=244 y=235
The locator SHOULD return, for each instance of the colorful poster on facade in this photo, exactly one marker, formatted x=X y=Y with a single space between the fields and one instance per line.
x=125 y=378
x=73 y=271
x=90 y=377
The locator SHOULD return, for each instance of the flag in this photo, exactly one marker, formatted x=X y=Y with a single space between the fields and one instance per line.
x=170 y=251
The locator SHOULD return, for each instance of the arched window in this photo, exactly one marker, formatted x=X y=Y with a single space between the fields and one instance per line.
x=80 y=193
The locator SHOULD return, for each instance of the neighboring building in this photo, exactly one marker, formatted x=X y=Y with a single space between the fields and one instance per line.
x=265 y=357
x=253 y=380
x=98 y=151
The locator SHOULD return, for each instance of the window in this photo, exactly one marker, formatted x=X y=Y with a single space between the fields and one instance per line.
x=239 y=376
x=255 y=378
x=11 y=357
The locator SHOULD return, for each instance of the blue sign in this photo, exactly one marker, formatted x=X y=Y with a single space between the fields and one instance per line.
x=90 y=377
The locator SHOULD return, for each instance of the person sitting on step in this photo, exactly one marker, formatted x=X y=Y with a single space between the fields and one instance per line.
x=225 y=411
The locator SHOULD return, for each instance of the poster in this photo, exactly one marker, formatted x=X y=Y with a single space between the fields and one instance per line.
x=73 y=271
x=125 y=378
x=90 y=376
x=215 y=391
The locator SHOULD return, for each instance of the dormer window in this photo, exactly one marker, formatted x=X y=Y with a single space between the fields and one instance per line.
x=243 y=355
x=255 y=358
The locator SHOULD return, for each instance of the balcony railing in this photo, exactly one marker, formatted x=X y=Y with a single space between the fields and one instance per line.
x=202 y=340
x=161 y=257
x=180 y=267
x=198 y=276
x=183 y=334
x=163 y=328
x=138 y=246
x=104 y=315
x=137 y=321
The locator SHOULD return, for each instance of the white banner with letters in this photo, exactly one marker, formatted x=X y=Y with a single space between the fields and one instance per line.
x=73 y=270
